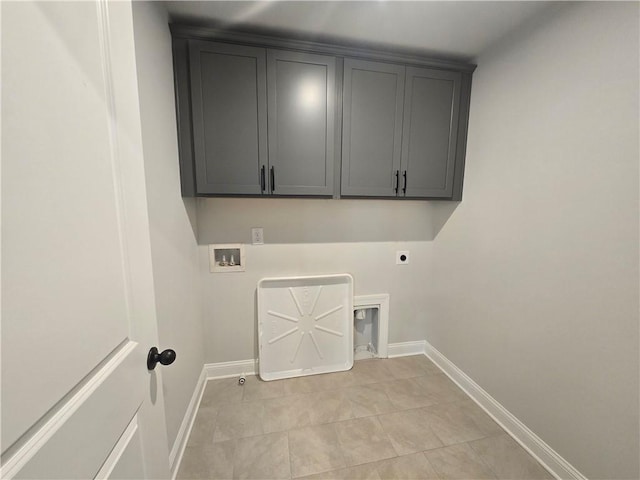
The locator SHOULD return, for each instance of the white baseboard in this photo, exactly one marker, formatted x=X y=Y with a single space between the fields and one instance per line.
x=250 y=366
x=210 y=371
x=231 y=369
x=552 y=461
x=180 y=443
x=403 y=349
x=548 y=457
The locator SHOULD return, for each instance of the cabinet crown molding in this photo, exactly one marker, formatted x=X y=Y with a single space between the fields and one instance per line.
x=342 y=48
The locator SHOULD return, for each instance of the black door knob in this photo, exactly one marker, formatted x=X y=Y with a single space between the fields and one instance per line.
x=166 y=357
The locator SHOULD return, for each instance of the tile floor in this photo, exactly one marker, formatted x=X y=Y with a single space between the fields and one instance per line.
x=396 y=418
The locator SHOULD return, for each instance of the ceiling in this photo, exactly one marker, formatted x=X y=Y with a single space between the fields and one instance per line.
x=456 y=29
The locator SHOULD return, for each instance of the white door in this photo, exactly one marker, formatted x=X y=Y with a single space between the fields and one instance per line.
x=78 y=315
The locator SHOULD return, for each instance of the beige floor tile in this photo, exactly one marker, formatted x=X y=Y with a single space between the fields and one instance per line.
x=406 y=393
x=427 y=364
x=458 y=462
x=507 y=459
x=452 y=424
x=328 y=407
x=332 y=381
x=314 y=450
x=257 y=389
x=370 y=371
x=300 y=385
x=203 y=426
x=480 y=418
x=407 y=467
x=363 y=440
x=221 y=392
x=213 y=461
x=284 y=413
x=261 y=457
x=239 y=420
x=408 y=367
x=409 y=432
x=367 y=400
x=406 y=407
x=361 y=472
x=440 y=388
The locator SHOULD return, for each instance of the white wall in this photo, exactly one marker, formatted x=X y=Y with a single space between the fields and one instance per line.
x=229 y=300
x=535 y=275
x=314 y=220
x=313 y=237
x=173 y=243
x=530 y=285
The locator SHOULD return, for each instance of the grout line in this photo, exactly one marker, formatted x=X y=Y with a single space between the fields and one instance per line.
x=500 y=415
x=344 y=458
x=289 y=453
x=482 y=459
x=376 y=415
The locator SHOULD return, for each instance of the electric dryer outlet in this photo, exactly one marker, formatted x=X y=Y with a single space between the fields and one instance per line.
x=402 y=257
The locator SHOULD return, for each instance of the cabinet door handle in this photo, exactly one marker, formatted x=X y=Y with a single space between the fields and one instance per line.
x=397 y=179
x=273 y=179
x=404 y=185
x=262 y=179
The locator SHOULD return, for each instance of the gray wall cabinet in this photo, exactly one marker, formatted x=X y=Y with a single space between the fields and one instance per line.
x=400 y=130
x=252 y=140
x=229 y=109
x=263 y=115
x=371 y=128
x=301 y=92
x=429 y=135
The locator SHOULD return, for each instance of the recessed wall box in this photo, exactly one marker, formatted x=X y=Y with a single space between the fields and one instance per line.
x=226 y=258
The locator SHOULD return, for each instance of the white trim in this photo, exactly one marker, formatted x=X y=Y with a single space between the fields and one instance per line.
x=210 y=371
x=180 y=443
x=114 y=457
x=533 y=444
x=381 y=302
x=115 y=151
x=237 y=368
x=231 y=369
x=27 y=451
x=403 y=349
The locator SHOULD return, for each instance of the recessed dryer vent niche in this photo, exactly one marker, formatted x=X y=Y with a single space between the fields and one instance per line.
x=370 y=326
x=305 y=325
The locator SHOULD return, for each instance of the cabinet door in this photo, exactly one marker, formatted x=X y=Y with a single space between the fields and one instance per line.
x=431 y=110
x=372 y=128
x=229 y=102
x=301 y=93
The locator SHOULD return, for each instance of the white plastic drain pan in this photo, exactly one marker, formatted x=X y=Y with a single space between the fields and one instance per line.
x=305 y=325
